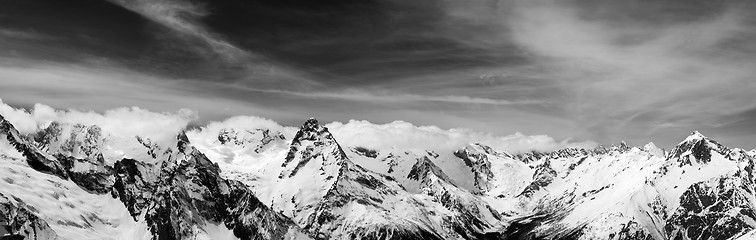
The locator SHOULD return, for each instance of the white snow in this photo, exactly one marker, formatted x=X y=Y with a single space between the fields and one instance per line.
x=70 y=210
x=674 y=183
x=747 y=236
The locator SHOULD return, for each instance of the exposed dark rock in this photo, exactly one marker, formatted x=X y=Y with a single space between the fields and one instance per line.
x=178 y=196
x=423 y=167
x=266 y=137
x=696 y=148
x=542 y=177
x=715 y=209
x=18 y=222
x=36 y=159
x=319 y=135
x=480 y=166
x=365 y=152
x=48 y=135
x=93 y=176
x=631 y=231
x=152 y=148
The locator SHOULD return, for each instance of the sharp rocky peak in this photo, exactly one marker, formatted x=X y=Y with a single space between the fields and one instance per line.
x=653 y=149
x=310 y=124
x=183 y=141
x=313 y=141
x=698 y=147
x=422 y=170
x=312 y=131
x=694 y=136
x=476 y=157
x=36 y=159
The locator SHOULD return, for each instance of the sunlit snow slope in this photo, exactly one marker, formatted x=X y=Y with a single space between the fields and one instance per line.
x=251 y=178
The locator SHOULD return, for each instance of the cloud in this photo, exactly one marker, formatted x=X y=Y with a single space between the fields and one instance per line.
x=22 y=35
x=398 y=134
x=22 y=120
x=183 y=16
x=251 y=123
x=625 y=76
x=121 y=122
x=101 y=87
x=605 y=70
x=365 y=96
x=163 y=126
x=405 y=135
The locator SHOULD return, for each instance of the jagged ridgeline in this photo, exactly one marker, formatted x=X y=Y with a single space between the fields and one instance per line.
x=77 y=181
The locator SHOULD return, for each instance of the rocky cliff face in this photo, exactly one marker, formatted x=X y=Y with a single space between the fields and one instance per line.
x=408 y=198
x=700 y=190
x=341 y=199
x=185 y=193
x=19 y=222
x=181 y=196
x=39 y=160
x=478 y=162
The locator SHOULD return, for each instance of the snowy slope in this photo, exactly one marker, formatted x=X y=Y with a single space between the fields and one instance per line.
x=170 y=192
x=251 y=178
x=70 y=211
x=700 y=190
x=337 y=198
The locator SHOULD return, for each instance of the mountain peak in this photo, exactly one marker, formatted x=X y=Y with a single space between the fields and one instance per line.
x=694 y=136
x=310 y=125
x=183 y=141
x=181 y=137
x=310 y=141
x=697 y=146
x=311 y=121
x=653 y=149
x=312 y=131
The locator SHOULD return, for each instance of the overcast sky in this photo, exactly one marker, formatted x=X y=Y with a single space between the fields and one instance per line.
x=601 y=70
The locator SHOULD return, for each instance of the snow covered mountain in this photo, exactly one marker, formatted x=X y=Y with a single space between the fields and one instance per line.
x=265 y=181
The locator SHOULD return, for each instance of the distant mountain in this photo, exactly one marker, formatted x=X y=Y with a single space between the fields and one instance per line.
x=78 y=181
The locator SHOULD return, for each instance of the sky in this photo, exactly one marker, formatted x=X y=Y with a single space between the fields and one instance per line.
x=587 y=70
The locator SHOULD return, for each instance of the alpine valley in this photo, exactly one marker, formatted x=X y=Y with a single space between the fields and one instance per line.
x=74 y=181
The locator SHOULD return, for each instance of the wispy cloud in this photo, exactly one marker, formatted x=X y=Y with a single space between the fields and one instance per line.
x=631 y=76
x=183 y=17
x=406 y=135
x=19 y=34
x=629 y=70
x=388 y=97
x=103 y=87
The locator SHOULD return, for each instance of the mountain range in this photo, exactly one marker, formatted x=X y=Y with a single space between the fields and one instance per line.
x=79 y=181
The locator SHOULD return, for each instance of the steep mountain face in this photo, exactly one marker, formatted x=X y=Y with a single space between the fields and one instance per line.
x=36 y=159
x=18 y=222
x=478 y=161
x=265 y=181
x=177 y=192
x=542 y=177
x=411 y=198
x=471 y=218
x=340 y=199
x=718 y=205
x=184 y=195
x=700 y=190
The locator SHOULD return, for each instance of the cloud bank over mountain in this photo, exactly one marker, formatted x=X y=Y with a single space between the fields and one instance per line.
x=162 y=126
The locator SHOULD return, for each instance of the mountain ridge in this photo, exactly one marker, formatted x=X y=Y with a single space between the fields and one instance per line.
x=313 y=188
